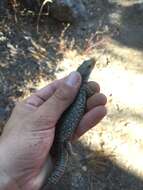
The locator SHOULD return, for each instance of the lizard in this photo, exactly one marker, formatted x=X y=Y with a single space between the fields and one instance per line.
x=68 y=124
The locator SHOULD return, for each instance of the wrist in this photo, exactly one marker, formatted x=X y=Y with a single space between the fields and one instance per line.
x=6 y=181
x=10 y=179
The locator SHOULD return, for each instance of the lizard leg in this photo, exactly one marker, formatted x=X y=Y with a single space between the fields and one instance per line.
x=69 y=149
x=89 y=90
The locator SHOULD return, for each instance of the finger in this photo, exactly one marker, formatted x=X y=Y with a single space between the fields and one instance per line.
x=94 y=86
x=43 y=94
x=96 y=100
x=92 y=118
x=40 y=96
x=62 y=98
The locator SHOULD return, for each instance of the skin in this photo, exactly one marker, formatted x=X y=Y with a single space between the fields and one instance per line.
x=29 y=133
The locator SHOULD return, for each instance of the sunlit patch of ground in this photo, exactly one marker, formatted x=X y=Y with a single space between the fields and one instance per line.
x=121 y=132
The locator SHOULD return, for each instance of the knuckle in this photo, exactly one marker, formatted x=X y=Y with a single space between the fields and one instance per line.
x=64 y=94
x=44 y=120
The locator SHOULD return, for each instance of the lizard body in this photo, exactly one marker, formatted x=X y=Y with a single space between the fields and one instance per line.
x=68 y=124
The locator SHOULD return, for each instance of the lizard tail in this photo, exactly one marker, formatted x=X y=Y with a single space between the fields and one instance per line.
x=59 y=168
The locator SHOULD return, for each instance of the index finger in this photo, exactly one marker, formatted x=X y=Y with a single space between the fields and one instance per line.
x=43 y=94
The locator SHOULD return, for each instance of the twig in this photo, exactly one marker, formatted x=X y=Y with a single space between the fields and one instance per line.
x=40 y=12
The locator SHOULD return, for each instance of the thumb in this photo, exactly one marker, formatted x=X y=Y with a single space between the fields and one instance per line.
x=62 y=98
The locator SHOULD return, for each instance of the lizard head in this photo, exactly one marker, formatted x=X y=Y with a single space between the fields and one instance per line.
x=86 y=68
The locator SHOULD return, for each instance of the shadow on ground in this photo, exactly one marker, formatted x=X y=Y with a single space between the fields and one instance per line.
x=95 y=171
x=130 y=25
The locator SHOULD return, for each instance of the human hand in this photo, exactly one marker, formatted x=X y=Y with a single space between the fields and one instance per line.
x=29 y=133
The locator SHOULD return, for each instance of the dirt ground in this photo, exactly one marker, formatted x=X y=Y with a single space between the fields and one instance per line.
x=109 y=157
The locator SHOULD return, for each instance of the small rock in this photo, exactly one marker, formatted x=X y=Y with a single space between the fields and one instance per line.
x=2 y=37
x=68 y=10
x=84 y=168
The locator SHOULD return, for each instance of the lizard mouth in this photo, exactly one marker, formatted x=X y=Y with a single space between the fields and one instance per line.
x=86 y=68
x=92 y=62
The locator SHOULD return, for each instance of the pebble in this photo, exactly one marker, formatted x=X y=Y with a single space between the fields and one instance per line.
x=68 y=11
x=84 y=168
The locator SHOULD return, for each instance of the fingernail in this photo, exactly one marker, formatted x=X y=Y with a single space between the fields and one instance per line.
x=73 y=79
